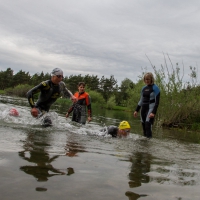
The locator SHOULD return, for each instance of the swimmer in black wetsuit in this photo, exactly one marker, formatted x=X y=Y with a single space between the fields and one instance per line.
x=122 y=131
x=50 y=91
x=149 y=102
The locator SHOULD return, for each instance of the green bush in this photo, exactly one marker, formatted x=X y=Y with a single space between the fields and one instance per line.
x=111 y=103
x=19 y=90
x=96 y=98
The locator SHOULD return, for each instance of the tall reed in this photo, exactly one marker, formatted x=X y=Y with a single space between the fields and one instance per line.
x=179 y=102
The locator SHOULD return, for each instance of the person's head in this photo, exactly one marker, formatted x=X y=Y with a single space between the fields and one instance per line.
x=148 y=78
x=13 y=112
x=81 y=87
x=124 y=128
x=56 y=75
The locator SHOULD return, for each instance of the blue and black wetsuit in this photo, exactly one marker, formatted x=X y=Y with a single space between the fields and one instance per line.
x=149 y=101
x=49 y=93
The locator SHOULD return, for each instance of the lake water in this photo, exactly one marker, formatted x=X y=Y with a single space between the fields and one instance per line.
x=69 y=161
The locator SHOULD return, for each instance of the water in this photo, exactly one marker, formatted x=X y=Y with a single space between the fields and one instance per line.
x=69 y=161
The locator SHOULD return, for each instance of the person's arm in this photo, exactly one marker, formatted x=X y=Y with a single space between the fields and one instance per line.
x=70 y=110
x=89 y=107
x=89 y=113
x=35 y=90
x=157 y=98
x=30 y=96
x=138 y=106
x=67 y=93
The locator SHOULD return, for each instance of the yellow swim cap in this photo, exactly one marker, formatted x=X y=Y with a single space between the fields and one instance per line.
x=124 y=125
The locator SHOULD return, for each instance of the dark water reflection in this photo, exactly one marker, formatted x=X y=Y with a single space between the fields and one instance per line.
x=68 y=161
x=36 y=154
x=141 y=163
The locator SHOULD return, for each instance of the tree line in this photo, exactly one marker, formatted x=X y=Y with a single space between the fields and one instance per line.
x=107 y=87
x=179 y=103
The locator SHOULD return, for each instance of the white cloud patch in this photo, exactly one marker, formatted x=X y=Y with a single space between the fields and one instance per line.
x=107 y=37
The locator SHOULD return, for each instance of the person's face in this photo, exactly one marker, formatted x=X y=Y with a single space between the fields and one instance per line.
x=56 y=79
x=147 y=80
x=124 y=132
x=81 y=88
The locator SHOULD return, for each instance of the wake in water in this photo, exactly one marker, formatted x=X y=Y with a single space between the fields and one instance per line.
x=24 y=119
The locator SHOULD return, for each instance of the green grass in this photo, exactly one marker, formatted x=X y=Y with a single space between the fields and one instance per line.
x=120 y=108
x=2 y=92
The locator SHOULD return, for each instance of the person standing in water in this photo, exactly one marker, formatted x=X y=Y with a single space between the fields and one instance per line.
x=79 y=108
x=50 y=91
x=149 y=102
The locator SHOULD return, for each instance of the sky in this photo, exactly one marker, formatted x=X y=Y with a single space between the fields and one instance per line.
x=122 y=38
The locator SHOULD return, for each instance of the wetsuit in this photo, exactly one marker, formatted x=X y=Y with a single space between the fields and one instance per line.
x=49 y=93
x=111 y=130
x=79 y=108
x=149 y=101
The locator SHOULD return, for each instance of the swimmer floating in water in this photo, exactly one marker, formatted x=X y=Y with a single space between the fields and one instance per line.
x=122 y=131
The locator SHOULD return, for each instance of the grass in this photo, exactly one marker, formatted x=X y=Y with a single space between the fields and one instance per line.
x=2 y=92
x=120 y=108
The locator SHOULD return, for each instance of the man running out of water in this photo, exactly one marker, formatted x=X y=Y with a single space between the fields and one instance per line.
x=50 y=91
x=122 y=131
x=79 y=108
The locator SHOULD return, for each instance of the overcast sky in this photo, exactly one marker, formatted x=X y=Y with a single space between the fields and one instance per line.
x=98 y=37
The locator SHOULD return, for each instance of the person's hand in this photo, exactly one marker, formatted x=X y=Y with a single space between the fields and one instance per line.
x=89 y=119
x=151 y=115
x=135 y=114
x=34 y=112
x=74 y=99
x=67 y=115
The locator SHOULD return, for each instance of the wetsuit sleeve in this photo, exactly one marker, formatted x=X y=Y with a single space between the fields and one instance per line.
x=113 y=130
x=140 y=101
x=73 y=105
x=71 y=108
x=89 y=107
x=157 y=98
x=65 y=92
x=33 y=91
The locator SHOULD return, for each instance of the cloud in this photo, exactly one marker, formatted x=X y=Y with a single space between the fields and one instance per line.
x=107 y=37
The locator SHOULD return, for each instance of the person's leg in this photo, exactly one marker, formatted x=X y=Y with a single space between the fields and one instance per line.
x=149 y=125
x=143 y=114
x=144 y=130
x=148 y=128
x=47 y=121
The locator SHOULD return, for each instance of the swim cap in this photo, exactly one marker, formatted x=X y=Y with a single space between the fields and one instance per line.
x=13 y=112
x=124 y=125
x=56 y=71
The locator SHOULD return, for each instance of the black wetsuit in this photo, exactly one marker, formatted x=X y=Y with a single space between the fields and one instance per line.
x=49 y=93
x=79 y=108
x=149 y=101
x=111 y=130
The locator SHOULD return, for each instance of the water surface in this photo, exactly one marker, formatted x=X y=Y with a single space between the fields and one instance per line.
x=69 y=161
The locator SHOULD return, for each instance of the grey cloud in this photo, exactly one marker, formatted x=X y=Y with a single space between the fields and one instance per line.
x=107 y=37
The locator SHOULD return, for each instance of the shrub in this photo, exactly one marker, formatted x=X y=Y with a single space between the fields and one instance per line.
x=96 y=98
x=111 y=103
x=19 y=90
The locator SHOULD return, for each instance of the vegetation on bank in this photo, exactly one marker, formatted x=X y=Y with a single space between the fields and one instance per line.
x=179 y=103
